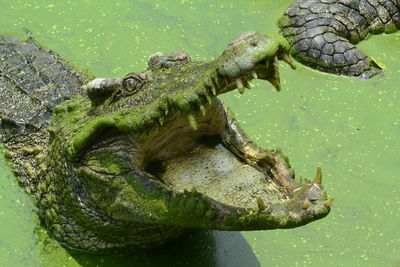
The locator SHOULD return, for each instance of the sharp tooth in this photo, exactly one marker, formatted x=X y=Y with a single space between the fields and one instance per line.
x=254 y=74
x=261 y=204
x=202 y=109
x=192 y=122
x=318 y=176
x=161 y=121
x=275 y=83
x=239 y=84
x=274 y=79
x=287 y=59
x=209 y=100
x=328 y=203
x=306 y=204
x=213 y=90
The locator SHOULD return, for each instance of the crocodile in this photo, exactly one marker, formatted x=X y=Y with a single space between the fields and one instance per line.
x=138 y=160
x=323 y=33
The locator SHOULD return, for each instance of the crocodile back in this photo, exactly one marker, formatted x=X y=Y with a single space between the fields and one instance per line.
x=33 y=80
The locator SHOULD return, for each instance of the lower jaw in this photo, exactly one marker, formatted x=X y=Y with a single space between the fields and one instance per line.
x=210 y=169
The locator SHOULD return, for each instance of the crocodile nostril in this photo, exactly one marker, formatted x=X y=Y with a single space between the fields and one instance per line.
x=254 y=43
x=314 y=192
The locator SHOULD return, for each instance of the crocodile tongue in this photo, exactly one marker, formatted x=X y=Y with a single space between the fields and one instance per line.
x=218 y=174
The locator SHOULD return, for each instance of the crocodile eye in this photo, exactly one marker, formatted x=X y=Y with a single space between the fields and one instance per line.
x=132 y=84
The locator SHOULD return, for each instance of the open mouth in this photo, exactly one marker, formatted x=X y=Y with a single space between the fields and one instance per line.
x=211 y=161
x=208 y=154
x=191 y=152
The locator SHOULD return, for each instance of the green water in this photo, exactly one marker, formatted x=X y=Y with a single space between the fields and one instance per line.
x=349 y=127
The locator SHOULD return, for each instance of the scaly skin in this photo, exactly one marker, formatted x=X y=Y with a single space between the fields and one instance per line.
x=141 y=159
x=323 y=33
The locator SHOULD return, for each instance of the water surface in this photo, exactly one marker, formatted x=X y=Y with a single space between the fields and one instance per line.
x=349 y=127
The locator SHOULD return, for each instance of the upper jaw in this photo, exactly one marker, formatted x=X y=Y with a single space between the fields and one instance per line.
x=253 y=56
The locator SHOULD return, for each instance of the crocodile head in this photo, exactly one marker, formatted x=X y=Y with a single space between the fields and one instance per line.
x=144 y=156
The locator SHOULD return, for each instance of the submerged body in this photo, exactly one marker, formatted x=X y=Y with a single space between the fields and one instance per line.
x=135 y=161
x=323 y=33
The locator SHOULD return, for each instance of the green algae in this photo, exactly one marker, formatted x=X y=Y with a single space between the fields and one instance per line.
x=105 y=163
x=347 y=126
